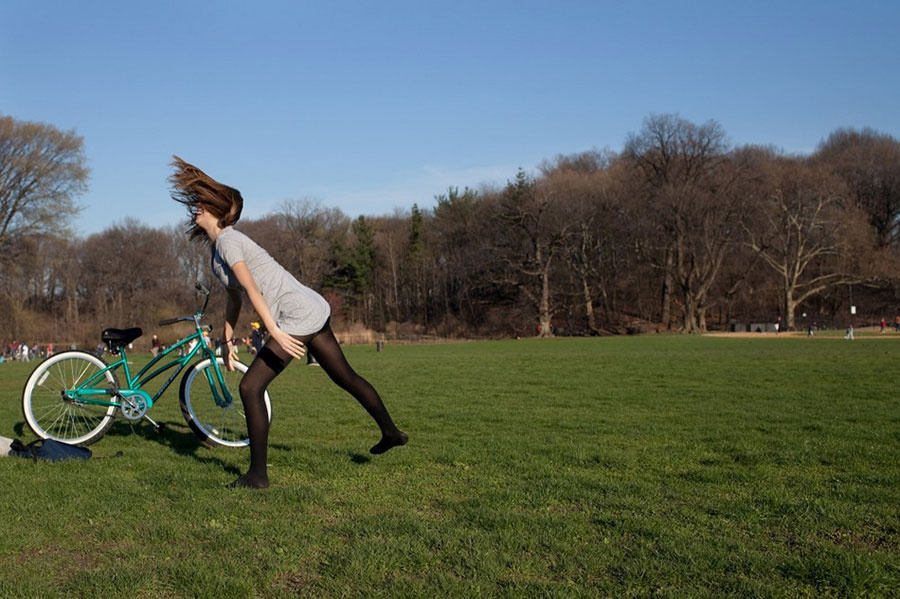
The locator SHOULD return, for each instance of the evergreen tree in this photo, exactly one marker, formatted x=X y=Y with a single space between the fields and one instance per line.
x=354 y=267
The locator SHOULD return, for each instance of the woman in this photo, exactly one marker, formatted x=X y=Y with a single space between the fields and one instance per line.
x=296 y=317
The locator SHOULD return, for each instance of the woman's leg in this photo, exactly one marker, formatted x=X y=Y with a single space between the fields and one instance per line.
x=268 y=363
x=327 y=351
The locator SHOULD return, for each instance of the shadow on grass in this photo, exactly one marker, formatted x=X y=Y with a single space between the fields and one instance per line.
x=176 y=436
x=179 y=438
x=358 y=458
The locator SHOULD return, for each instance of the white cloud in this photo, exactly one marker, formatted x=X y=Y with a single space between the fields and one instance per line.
x=418 y=186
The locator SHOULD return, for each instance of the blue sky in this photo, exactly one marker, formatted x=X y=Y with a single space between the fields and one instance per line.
x=373 y=106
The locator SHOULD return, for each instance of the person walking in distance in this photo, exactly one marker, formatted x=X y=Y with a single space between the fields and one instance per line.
x=256 y=337
x=296 y=317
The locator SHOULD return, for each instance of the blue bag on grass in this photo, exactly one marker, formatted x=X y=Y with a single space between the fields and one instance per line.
x=50 y=450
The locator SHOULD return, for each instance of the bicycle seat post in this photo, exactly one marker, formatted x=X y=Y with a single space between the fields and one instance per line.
x=125 y=367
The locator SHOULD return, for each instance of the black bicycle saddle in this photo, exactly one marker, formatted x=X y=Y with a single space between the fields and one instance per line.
x=120 y=337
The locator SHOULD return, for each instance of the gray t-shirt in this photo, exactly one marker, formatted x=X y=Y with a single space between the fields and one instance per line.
x=297 y=309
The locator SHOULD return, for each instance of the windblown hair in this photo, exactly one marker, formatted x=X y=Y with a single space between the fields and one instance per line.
x=192 y=187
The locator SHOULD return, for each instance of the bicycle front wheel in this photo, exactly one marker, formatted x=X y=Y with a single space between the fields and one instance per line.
x=225 y=426
x=51 y=413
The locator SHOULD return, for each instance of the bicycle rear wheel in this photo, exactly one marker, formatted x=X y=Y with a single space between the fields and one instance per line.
x=51 y=414
x=215 y=425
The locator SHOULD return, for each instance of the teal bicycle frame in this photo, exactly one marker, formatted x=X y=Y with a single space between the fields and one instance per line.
x=89 y=393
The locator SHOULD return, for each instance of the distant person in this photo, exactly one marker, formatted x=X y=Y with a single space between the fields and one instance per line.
x=777 y=325
x=295 y=316
x=883 y=324
x=155 y=346
x=256 y=337
x=849 y=334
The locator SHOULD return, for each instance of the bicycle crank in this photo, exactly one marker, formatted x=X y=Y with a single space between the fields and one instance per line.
x=134 y=407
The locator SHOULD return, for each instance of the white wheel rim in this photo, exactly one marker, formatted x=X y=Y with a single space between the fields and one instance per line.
x=236 y=402
x=65 y=412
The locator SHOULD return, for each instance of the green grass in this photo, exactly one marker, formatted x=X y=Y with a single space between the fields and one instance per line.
x=620 y=467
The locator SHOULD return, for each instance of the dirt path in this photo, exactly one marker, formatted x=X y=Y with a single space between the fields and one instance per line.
x=862 y=333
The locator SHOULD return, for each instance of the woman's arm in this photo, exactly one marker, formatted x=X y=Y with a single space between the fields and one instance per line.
x=289 y=344
x=232 y=312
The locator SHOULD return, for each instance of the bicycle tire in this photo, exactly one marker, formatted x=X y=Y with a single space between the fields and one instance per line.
x=214 y=425
x=50 y=416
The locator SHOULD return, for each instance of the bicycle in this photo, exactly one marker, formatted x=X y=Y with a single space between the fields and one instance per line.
x=74 y=396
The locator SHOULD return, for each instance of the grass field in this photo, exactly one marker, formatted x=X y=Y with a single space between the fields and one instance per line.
x=621 y=467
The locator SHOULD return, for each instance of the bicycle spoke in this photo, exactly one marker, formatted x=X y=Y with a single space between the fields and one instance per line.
x=71 y=373
x=61 y=416
x=76 y=380
x=59 y=376
x=68 y=424
x=51 y=410
x=78 y=415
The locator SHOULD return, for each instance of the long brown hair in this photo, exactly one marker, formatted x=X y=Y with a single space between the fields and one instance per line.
x=192 y=187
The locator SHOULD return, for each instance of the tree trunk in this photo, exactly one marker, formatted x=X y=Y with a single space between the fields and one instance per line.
x=588 y=304
x=789 y=306
x=666 y=311
x=72 y=316
x=693 y=321
x=544 y=316
x=395 y=300
x=688 y=322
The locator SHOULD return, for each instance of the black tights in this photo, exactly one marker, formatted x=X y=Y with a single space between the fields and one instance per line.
x=269 y=363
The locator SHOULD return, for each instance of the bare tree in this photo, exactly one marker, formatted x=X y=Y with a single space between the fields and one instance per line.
x=193 y=258
x=42 y=169
x=689 y=206
x=584 y=183
x=310 y=230
x=869 y=164
x=390 y=239
x=805 y=228
x=127 y=275
x=538 y=224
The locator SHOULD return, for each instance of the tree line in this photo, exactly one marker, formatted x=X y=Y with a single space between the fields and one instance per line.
x=679 y=230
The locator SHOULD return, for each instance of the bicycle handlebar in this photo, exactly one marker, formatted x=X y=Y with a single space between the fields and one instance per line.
x=205 y=292
x=169 y=321
x=199 y=287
